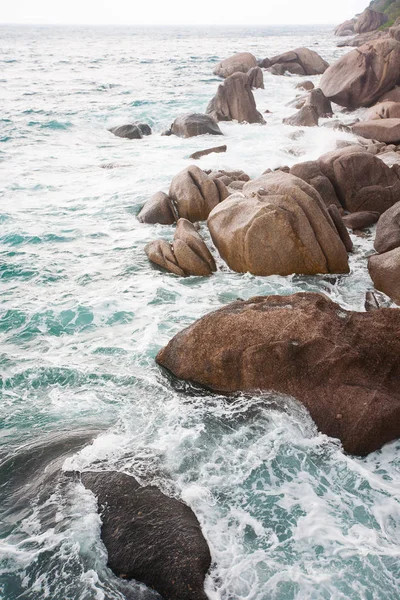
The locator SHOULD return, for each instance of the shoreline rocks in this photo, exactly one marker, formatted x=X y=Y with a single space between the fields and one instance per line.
x=384 y=270
x=342 y=365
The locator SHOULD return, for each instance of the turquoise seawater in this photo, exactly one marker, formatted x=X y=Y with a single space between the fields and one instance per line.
x=82 y=315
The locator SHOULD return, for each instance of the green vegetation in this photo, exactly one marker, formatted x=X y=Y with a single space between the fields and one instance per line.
x=391 y=8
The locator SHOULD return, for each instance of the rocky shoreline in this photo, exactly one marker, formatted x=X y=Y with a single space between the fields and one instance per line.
x=341 y=365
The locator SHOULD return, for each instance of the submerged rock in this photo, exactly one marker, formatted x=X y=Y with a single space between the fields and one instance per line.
x=200 y=153
x=129 y=131
x=277 y=226
x=150 y=537
x=234 y=100
x=343 y=366
x=194 y=124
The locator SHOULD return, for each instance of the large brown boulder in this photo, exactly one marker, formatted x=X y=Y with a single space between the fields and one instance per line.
x=317 y=99
x=238 y=63
x=384 y=110
x=388 y=230
x=194 y=124
x=277 y=226
x=301 y=61
x=383 y=130
x=187 y=255
x=384 y=270
x=158 y=209
x=195 y=194
x=369 y=20
x=362 y=182
x=343 y=366
x=149 y=536
x=340 y=227
x=360 y=77
x=234 y=101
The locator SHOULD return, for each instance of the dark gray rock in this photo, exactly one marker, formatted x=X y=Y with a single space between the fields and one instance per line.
x=150 y=537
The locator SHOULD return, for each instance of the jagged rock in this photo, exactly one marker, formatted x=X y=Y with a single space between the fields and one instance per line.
x=160 y=253
x=150 y=537
x=317 y=99
x=158 y=209
x=361 y=220
x=301 y=61
x=341 y=227
x=384 y=270
x=129 y=131
x=384 y=110
x=384 y=130
x=388 y=230
x=256 y=78
x=195 y=194
x=305 y=85
x=194 y=124
x=371 y=302
x=305 y=117
x=369 y=20
x=277 y=226
x=200 y=153
x=234 y=100
x=360 y=77
x=343 y=366
x=190 y=251
x=238 y=63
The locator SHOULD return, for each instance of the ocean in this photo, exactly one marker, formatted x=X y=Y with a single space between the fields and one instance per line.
x=287 y=515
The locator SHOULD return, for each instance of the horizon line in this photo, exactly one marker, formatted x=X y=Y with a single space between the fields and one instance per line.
x=166 y=24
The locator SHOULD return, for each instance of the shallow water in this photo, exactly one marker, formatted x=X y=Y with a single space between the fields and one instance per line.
x=83 y=314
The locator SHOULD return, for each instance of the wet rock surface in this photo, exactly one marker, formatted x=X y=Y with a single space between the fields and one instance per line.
x=342 y=365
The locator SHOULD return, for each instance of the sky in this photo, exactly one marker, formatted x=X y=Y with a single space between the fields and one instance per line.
x=179 y=12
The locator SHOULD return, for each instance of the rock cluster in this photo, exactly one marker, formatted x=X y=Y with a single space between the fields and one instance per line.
x=187 y=255
x=301 y=61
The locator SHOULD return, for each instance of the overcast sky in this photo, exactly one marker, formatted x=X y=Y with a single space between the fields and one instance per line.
x=171 y=12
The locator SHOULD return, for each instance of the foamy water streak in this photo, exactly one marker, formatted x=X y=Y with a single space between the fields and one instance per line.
x=83 y=313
